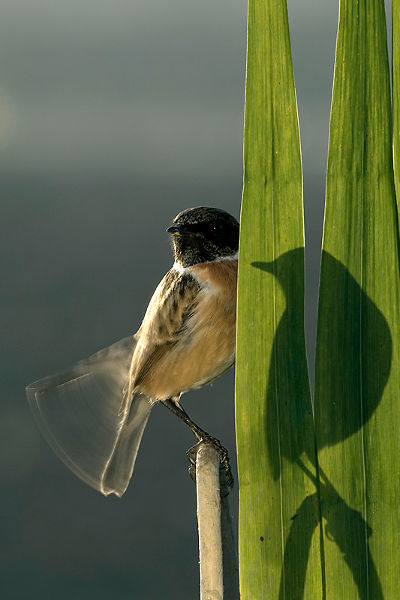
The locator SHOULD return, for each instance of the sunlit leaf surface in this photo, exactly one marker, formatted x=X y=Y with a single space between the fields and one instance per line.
x=279 y=550
x=396 y=94
x=357 y=389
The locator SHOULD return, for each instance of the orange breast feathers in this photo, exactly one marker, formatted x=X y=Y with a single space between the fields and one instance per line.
x=205 y=347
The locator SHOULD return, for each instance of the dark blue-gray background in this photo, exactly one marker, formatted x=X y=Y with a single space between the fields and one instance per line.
x=114 y=116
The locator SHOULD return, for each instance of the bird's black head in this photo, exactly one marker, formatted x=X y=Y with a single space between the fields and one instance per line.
x=204 y=234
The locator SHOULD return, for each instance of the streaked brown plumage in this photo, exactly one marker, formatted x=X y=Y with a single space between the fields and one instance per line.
x=187 y=337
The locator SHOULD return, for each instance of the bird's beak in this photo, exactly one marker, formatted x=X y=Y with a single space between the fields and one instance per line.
x=176 y=229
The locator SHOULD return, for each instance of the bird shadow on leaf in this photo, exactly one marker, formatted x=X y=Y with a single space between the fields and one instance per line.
x=350 y=325
x=344 y=527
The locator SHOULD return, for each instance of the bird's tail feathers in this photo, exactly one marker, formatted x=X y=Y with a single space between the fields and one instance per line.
x=118 y=470
x=77 y=412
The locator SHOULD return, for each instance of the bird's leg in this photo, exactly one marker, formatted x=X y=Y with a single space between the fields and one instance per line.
x=202 y=436
x=177 y=409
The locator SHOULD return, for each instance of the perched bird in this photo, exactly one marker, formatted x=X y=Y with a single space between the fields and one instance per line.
x=94 y=414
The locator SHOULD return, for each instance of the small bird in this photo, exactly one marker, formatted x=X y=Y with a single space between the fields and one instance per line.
x=94 y=414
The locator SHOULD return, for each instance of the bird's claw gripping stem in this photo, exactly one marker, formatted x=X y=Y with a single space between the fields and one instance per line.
x=222 y=454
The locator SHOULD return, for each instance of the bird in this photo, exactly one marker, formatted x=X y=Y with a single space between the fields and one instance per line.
x=94 y=414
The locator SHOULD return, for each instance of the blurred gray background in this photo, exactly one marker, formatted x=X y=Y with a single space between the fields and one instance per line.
x=114 y=116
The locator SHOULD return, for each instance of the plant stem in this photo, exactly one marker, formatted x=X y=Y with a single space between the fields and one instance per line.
x=229 y=550
x=209 y=522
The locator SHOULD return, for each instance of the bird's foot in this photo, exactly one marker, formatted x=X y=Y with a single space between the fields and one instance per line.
x=222 y=454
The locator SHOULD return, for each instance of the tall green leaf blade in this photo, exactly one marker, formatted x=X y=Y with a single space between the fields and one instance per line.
x=279 y=552
x=357 y=387
x=396 y=95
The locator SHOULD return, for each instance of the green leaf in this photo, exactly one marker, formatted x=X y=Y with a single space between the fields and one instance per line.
x=396 y=95
x=357 y=384
x=279 y=509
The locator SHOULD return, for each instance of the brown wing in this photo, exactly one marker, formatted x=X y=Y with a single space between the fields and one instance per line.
x=164 y=323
